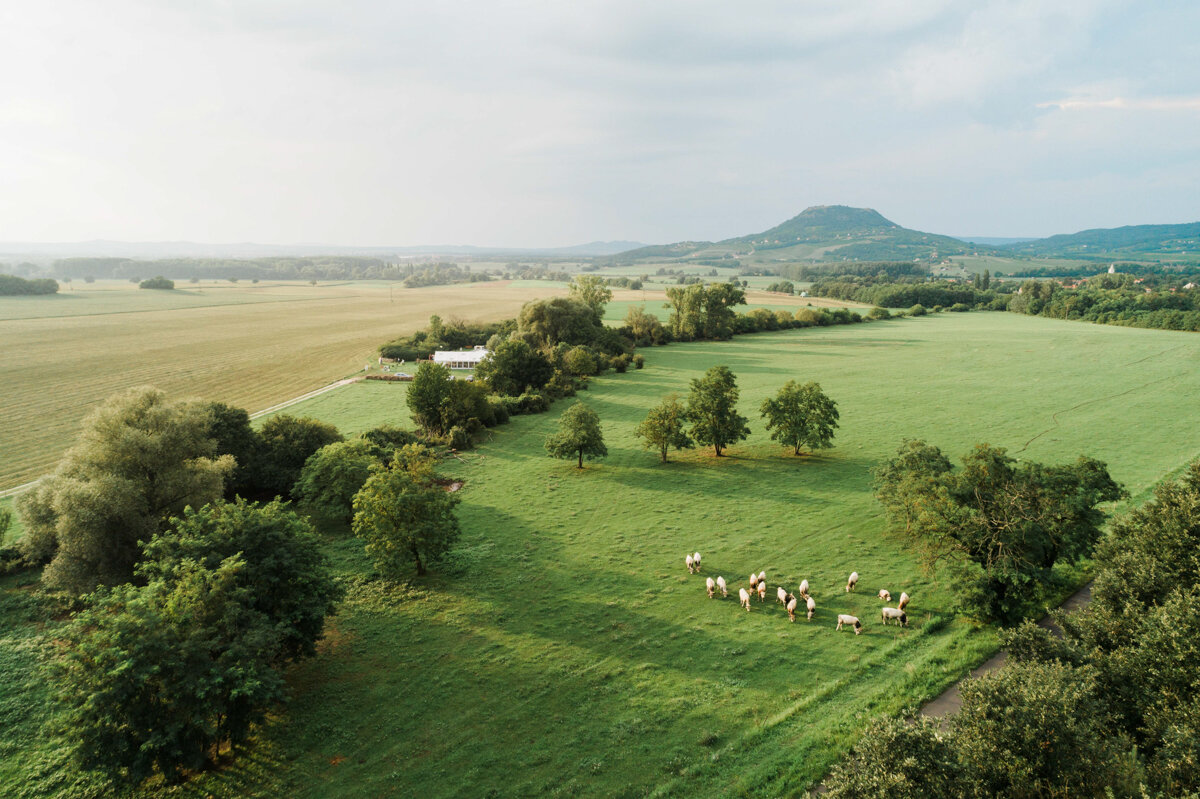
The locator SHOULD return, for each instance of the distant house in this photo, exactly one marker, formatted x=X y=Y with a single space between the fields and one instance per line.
x=460 y=359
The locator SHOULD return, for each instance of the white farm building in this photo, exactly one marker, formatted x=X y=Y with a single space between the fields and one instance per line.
x=460 y=359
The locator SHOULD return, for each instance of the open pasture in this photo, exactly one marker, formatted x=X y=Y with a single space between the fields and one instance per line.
x=564 y=650
x=248 y=346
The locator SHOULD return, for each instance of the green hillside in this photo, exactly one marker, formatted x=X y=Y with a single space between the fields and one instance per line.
x=826 y=233
x=1131 y=242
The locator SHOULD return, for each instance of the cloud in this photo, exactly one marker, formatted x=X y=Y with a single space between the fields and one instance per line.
x=1127 y=104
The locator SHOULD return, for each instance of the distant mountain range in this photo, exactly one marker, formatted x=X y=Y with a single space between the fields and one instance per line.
x=842 y=233
x=191 y=249
x=819 y=233
x=822 y=233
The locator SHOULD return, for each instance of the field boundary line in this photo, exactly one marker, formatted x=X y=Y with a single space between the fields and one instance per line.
x=316 y=393
x=12 y=492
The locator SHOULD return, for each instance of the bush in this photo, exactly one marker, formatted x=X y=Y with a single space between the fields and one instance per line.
x=917 y=310
x=459 y=437
x=638 y=362
x=498 y=409
x=960 y=307
x=388 y=437
x=938 y=308
x=621 y=362
x=157 y=282
x=581 y=361
x=533 y=402
x=879 y=312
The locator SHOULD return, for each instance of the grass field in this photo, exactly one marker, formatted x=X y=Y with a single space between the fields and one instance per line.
x=251 y=346
x=565 y=651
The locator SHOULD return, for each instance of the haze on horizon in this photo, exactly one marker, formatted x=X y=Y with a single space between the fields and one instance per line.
x=551 y=124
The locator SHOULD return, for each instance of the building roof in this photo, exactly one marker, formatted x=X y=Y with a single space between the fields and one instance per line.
x=477 y=354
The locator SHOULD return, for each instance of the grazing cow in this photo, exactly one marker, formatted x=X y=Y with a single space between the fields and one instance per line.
x=696 y=560
x=851 y=581
x=762 y=591
x=691 y=564
x=791 y=609
x=804 y=588
x=722 y=586
x=753 y=581
x=885 y=595
x=782 y=595
x=710 y=585
x=744 y=598
x=895 y=613
x=812 y=608
x=853 y=620
x=903 y=600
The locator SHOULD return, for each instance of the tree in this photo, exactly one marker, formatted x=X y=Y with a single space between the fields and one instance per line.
x=591 y=290
x=404 y=520
x=160 y=676
x=140 y=459
x=900 y=759
x=427 y=393
x=801 y=416
x=704 y=312
x=514 y=368
x=233 y=434
x=1033 y=729
x=559 y=319
x=285 y=444
x=333 y=475
x=283 y=573
x=663 y=427
x=712 y=410
x=578 y=435
x=1000 y=525
x=644 y=327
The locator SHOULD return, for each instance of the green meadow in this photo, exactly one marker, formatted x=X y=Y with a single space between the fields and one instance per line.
x=564 y=650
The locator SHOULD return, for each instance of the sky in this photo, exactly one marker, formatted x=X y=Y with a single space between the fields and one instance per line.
x=385 y=122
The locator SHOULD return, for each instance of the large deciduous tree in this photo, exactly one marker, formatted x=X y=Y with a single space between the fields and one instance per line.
x=591 y=290
x=801 y=416
x=559 y=320
x=333 y=475
x=662 y=428
x=514 y=367
x=285 y=444
x=160 y=677
x=405 y=518
x=283 y=571
x=1000 y=524
x=704 y=312
x=140 y=459
x=578 y=435
x=712 y=410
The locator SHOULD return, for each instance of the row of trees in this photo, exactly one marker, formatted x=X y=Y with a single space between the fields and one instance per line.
x=11 y=285
x=1110 y=709
x=798 y=416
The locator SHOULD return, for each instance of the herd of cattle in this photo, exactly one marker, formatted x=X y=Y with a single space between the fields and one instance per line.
x=790 y=601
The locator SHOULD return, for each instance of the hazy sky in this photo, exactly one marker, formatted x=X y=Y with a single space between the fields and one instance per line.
x=518 y=123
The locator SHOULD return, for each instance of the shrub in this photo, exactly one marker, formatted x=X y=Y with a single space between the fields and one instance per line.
x=879 y=312
x=960 y=307
x=459 y=437
x=639 y=362
x=621 y=362
x=917 y=310
x=157 y=282
x=498 y=409
x=533 y=402
x=938 y=308
x=581 y=361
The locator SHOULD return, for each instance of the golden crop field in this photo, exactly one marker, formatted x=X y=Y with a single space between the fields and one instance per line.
x=250 y=346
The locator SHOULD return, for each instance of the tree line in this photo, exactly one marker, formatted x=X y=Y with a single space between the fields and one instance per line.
x=13 y=286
